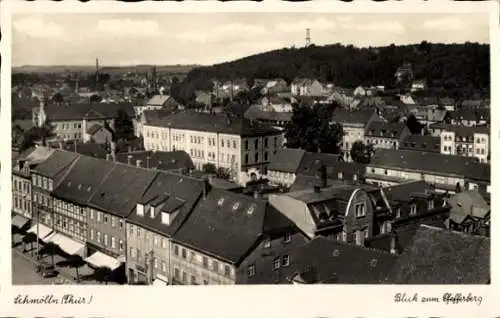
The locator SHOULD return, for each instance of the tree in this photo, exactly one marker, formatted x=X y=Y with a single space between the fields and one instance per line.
x=124 y=128
x=361 y=153
x=58 y=98
x=414 y=125
x=103 y=274
x=29 y=238
x=209 y=168
x=50 y=248
x=458 y=188
x=312 y=129
x=76 y=261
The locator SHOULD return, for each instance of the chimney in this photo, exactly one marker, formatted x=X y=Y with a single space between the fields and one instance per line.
x=108 y=157
x=394 y=242
x=138 y=163
x=257 y=194
x=129 y=160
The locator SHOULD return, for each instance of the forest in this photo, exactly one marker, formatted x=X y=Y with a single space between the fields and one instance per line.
x=458 y=71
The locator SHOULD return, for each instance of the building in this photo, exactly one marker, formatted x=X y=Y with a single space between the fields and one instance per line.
x=45 y=177
x=70 y=199
x=470 y=213
x=274 y=118
x=235 y=144
x=22 y=193
x=147 y=116
x=159 y=214
x=275 y=86
x=108 y=208
x=420 y=85
x=157 y=102
x=342 y=213
x=282 y=169
x=421 y=143
x=173 y=161
x=307 y=87
x=383 y=135
x=99 y=134
x=440 y=256
x=354 y=124
x=464 y=141
x=447 y=173
x=277 y=104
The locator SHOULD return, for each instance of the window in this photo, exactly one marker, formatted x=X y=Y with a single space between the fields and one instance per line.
x=251 y=270
x=267 y=243
x=184 y=253
x=285 y=261
x=184 y=277
x=222 y=143
x=256 y=157
x=176 y=273
x=98 y=216
x=105 y=239
x=121 y=223
x=155 y=263
x=413 y=209
x=138 y=232
x=155 y=240
x=360 y=210
x=234 y=144
x=132 y=252
x=121 y=245
x=358 y=237
x=163 y=267
x=205 y=261
x=215 y=266
x=92 y=234
x=176 y=250
x=246 y=159
x=113 y=221
x=227 y=270
x=276 y=263
x=113 y=242
x=365 y=233
x=398 y=212
x=246 y=144
x=164 y=243
x=98 y=237
x=288 y=237
x=256 y=143
x=431 y=204
x=131 y=229
x=193 y=280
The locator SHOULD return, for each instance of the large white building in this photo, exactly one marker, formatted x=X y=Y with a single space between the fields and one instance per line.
x=465 y=141
x=236 y=144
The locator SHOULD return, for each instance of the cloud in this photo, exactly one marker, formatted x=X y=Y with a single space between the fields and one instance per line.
x=320 y=24
x=37 y=27
x=127 y=27
x=226 y=32
x=447 y=23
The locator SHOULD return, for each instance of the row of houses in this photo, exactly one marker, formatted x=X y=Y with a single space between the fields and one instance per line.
x=154 y=226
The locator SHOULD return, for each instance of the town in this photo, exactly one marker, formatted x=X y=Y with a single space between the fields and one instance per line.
x=141 y=177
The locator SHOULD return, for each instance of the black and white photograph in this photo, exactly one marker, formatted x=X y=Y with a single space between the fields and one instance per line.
x=250 y=148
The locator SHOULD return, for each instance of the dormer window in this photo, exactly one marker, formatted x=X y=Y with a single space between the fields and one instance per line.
x=152 y=212
x=431 y=204
x=339 y=175
x=140 y=209
x=413 y=209
x=220 y=202
x=236 y=206
x=251 y=209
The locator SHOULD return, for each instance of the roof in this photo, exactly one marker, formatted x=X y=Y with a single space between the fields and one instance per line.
x=35 y=155
x=286 y=160
x=158 y=100
x=311 y=162
x=232 y=222
x=342 y=115
x=437 y=163
x=56 y=163
x=421 y=143
x=93 y=129
x=256 y=113
x=156 y=114
x=83 y=179
x=220 y=123
x=161 y=160
x=461 y=130
x=176 y=191
x=77 y=111
x=463 y=114
x=25 y=125
x=472 y=103
x=238 y=109
x=347 y=170
x=436 y=256
x=303 y=182
x=325 y=261
x=122 y=188
x=404 y=192
x=467 y=203
x=310 y=196
x=386 y=130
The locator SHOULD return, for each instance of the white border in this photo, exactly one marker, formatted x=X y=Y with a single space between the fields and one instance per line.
x=239 y=301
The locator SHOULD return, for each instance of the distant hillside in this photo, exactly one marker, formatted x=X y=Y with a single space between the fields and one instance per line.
x=173 y=69
x=458 y=69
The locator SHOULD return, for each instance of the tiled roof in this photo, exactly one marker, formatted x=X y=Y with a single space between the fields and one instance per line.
x=238 y=109
x=158 y=100
x=122 y=189
x=347 y=170
x=25 y=125
x=342 y=115
x=152 y=115
x=424 y=162
x=462 y=131
x=93 y=129
x=54 y=165
x=255 y=113
x=303 y=182
x=219 y=123
x=421 y=143
x=325 y=261
x=463 y=114
x=467 y=203
x=286 y=160
x=437 y=256
x=178 y=191
x=83 y=179
x=333 y=193
x=472 y=103
x=86 y=149
x=161 y=160
x=225 y=225
x=312 y=161
x=386 y=130
x=404 y=192
x=35 y=155
x=77 y=111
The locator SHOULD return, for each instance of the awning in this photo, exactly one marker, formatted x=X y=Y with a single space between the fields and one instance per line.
x=102 y=260
x=67 y=244
x=43 y=230
x=19 y=221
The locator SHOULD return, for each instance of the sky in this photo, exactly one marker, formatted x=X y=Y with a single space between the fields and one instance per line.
x=206 y=38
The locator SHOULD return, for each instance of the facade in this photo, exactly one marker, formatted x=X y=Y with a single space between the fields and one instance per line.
x=465 y=141
x=307 y=87
x=234 y=144
x=382 y=135
x=98 y=134
x=421 y=143
x=157 y=102
x=284 y=166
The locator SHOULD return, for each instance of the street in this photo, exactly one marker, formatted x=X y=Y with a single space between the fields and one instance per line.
x=23 y=272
